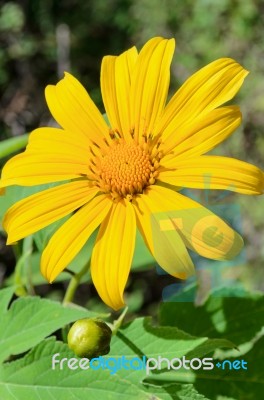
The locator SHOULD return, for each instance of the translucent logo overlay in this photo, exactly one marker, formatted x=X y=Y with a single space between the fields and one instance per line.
x=115 y=364
x=203 y=230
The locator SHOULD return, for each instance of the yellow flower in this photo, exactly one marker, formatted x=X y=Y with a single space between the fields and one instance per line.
x=118 y=178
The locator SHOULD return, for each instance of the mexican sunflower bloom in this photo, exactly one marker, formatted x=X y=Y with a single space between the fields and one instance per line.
x=119 y=176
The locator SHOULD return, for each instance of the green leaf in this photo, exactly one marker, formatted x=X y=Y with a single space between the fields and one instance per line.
x=33 y=378
x=5 y=297
x=174 y=392
x=12 y=145
x=30 y=319
x=238 y=319
x=238 y=384
x=140 y=338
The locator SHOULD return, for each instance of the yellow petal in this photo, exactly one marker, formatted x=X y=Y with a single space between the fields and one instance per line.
x=149 y=84
x=143 y=215
x=200 y=229
x=166 y=245
x=73 y=109
x=215 y=172
x=41 y=209
x=47 y=139
x=145 y=207
x=51 y=155
x=115 y=84
x=112 y=254
x=71 y=236
x=204 y=91
x=31 y=168
x=202 y=135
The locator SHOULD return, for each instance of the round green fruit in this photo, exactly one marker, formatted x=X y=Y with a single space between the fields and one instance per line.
x=89 y=338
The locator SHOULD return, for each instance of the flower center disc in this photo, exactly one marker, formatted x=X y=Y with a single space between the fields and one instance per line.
x=126 y=169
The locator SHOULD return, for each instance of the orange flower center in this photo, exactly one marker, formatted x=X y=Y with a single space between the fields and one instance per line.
x=125 y=168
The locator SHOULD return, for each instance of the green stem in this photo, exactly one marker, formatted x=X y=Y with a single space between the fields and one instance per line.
x=20 y=291
x=118 y=322
x=17 y=251
x=23 y=268
x=74 y=283
x=12 y=145
x=28 y=248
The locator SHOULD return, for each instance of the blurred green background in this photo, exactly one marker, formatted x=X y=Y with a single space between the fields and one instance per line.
x=39 y=39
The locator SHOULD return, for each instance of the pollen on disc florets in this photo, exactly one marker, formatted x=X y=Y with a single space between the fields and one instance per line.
x=125 y=168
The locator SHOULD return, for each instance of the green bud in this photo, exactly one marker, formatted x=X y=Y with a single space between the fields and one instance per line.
x=89 y=338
